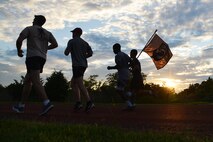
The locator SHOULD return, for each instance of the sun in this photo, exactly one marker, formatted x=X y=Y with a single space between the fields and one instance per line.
x=170 y=83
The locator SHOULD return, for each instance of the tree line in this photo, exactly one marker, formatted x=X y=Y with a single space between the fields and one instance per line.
x=58 y=89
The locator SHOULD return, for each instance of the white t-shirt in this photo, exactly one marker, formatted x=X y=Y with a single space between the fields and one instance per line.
x=37 y=40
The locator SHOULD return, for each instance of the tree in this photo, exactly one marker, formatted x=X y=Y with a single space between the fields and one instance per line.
x=57 y=86
x=111 y=79
x=92 y=84
x=15 y=89
x=160 y=94
x=108 y=91
x=144 y=77
x=205 y=90
x=1 y=88
x=198 y=92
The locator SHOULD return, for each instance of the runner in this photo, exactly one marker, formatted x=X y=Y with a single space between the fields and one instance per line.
x=122 y=61
x=38 y=39
x=80 y=50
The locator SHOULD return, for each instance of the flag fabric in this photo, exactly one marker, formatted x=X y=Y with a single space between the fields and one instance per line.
x=159 y=51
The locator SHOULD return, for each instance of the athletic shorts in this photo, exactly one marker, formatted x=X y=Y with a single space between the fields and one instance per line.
x=35 y=63
x=78 y=71
x=122 y=84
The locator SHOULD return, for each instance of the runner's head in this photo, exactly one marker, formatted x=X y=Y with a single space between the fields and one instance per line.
x=116 y=48
x=39 y=20
x=77 y=32
x=133 y=53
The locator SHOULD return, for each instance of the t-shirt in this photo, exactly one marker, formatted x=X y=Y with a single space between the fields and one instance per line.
x=136 y=67
x=80 y=50
x=137 y=79
x=37 y=40
x=122 y=61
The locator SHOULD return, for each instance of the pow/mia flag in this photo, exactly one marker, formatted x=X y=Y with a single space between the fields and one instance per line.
x=159 y=51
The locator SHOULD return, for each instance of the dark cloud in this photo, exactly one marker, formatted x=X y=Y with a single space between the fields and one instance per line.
x=92 y=6
x=184 y=12
x=175 y=42
x=103 y=5
x=207 y=53
x=191 y=67
x=12 y=52
x=58 y=52
x=130 y=23
x=8 y=74
x=103 y=42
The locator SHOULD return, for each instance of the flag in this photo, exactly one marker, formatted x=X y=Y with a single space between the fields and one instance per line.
x=159 y=51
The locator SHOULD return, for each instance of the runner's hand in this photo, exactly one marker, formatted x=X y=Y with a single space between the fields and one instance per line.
x=20 y=53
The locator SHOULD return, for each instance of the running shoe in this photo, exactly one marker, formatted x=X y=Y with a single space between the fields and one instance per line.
x=89 y=106
x=18 y=108
x=46 y=109
x=78 y=106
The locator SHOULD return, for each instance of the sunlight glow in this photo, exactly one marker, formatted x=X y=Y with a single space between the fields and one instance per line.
x=169 y=82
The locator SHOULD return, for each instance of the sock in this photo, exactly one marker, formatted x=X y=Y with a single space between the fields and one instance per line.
x=21 y=104
x=129 y=103
x=45 y=102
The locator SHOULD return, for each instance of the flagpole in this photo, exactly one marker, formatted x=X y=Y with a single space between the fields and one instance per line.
x=147 y=42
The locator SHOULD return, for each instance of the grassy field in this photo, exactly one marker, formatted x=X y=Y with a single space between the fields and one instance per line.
x=26 y=131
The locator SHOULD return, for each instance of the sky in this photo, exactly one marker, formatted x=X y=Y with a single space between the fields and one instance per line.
x=186 y=25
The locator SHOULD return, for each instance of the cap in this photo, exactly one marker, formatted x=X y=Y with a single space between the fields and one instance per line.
x=77 y=30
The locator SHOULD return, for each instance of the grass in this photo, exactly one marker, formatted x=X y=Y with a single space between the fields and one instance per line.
x=26 y=131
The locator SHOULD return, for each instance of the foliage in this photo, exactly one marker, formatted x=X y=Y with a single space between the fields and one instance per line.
x=1 y=87
x=108 y=92
x=92 y=84
x=15 y=89
x=111 y=79
x=198 y=92
x=57 y=87
x=3 y=94
x=25 y=131
x=154 y=93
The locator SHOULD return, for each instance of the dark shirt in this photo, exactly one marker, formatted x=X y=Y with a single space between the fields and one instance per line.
x=80 y=51
x=135 y=67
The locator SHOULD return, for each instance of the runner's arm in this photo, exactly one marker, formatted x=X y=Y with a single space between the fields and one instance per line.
x=19 y=45
x=53 y=43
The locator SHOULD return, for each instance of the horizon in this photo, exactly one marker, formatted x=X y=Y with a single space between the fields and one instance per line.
x=185 y=25
x=168 y=83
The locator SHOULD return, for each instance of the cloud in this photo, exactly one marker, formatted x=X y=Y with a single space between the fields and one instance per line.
x=10 y=72
x=102 y=42
x=129 y=16
x=185 y=25
x=208 y=53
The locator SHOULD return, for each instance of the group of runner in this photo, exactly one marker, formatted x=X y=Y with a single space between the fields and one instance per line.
x=40 y=40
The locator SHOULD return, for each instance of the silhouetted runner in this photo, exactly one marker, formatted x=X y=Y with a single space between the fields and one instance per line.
x=80 y=50
x=38 y=39
x=122 y=61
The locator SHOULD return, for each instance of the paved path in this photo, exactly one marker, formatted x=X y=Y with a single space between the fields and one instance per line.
x=173 y=118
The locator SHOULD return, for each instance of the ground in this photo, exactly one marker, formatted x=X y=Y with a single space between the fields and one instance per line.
x=173 y=118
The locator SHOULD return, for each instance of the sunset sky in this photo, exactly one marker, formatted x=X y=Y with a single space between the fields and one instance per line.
x=186 y=25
